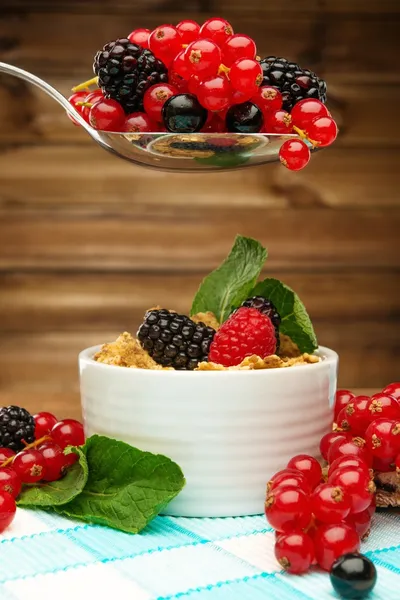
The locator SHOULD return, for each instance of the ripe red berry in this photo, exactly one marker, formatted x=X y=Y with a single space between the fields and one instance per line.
x=288 y=508
x=214 y=93
x=238 y=46
x=307 y=110
x=73 y=100
x=289 y=478
x=9 y=481
x=107 y=115
x=278 y=121
x=382 y=439
x=322 y=130
x=216 y=29
x=341 y=399
x=203 y=58
x=354 y=446
x=44 y=423
x=55 y=460
x=246 y=75
x=193 y=84
x=349 y=461
x=356 y=484
x=165 y=43
x=30 y=466
x=393 y=389
x=70 y=459
x=294 y=155
x=68 y=433
x=294 y=552
x=140 y=37
x=245 y=333
x=241 y=97
x=188 y=30
x=7 y=510
x=383 y=465
x=155 y=98
x=354 y=416
x=214 y=124
x=94 y=96
x=330 y=504
x=397 y=463
x=180 y=66
x=5 y=454
x=139 y=123
x=268 y=99
x=308 y=466
x=383 y=406
x=328 y=439
x=331 y=541
x=361 y=522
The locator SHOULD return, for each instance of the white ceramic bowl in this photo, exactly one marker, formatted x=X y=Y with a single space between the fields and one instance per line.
x=230 y=431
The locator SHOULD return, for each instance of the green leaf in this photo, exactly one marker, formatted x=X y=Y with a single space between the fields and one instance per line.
x=229 y=285
x=56 y=493
x=295 y=320
x=126 y=487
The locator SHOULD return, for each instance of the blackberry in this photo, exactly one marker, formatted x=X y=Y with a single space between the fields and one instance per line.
x=126 y=71
x=174 y=340
x=267 y=308
x=16 y=424
x=292 y=81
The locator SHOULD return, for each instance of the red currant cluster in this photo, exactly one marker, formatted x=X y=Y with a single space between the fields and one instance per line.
x=321 y=514
x=43 y=460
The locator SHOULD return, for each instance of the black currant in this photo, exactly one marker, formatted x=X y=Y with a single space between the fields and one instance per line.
x=244 y=118
x=184 y=114
x=353 y=576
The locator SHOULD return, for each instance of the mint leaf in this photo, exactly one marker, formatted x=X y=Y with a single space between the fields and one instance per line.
x=126 y=487
x=58 y=492
x=295 y=320
x=229 y=285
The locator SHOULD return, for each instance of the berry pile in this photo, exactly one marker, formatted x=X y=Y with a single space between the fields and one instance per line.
x=190 y=78
x=42 y=459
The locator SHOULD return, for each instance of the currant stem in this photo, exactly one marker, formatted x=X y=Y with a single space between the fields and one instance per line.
x=85 y=84
x=303 y=136
x=89 y=104
x=223 y=69
x=34 y=444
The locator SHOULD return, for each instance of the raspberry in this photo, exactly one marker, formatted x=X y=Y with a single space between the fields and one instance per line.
x=245 y=333
x=267 y=308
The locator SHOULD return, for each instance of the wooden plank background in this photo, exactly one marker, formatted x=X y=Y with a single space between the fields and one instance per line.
x=88 y=242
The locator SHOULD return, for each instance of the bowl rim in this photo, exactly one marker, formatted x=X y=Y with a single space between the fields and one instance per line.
x=328 y=356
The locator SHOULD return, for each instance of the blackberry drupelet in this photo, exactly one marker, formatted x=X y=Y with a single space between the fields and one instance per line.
x=174 y=340
x=126 y=71
x=292 y=81
x=16 y=424
x=267 y=308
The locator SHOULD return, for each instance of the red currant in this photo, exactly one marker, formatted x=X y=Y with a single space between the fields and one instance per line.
x=382 y=438
x=55 y=460
x=331 y=541
x=294 y=552
x=193 y=84
x=246 y=75
x=9 y=481
x=355 y=416
x=165 y=43
x=238 y=46
x=341 y=399
x=383 y=464
x=140 y=37
x=361 y=522
x=397 y=463
x=288 y=508
x=107 y=115
x=278 y=121
x=188 y=30
x=155 y=98
x=328 y=439
x=70 y=459
x=240 y=97
x=383 y=406
x=214 y=124
x=178 y=82
x=306 y=110
x=268 y=99
x=289 y=478
x=355 y=447
x=30 y=466
x=393 y=389
x=7 y=510
x=308 y=466
x=294 y=155
x=139 y=123
x=330 y=504
x=5 y=454
x=95 y=96
x=214 y=93
x=349 y=461
x=68 y=433
x=203 y=58
x=216 y=29
x=74 y=99
x=180 y=66
x=357 y=484
x=322 y=130
x=44 y=423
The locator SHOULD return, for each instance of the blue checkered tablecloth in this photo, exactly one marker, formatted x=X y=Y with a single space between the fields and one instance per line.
x=44 y=556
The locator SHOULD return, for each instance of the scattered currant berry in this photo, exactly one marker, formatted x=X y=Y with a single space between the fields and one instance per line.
x=7 y=510
x=322 y=130
x=354 y=446
x=165 y=43
x=238 y=46
x=180 y=66
x=73 y=100
x=44 y=423
x=294 y=155
x=305 y=111
x=268 y=99
x=382 y=439
x=393 y=389
x=107 y=115
x=139 y=123
x=5 y=454
x=331 y=541
x=356 y=484
x=330 y=504
x=246 y=75
x=341 y=399
x=294 y=552
x=355 y=415
x=308 y=466
x=155 y=98
x=9 y=481
x=361 y=522
x=383 y=406
x=349 y=461
x=140 y=37
x=353 y=576
x=188 y=30
x=287 y=508
x=55 y=460
x=278 y=121
x=214 y=93
x=68 y=433
x=289 y=478
x=216 y=29
x=203 y=58
x=30 y=466
x=328 y=439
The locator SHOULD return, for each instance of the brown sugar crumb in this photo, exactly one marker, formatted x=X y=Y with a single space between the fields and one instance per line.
x=256 y=362
x=208 y=318
x=126 y=351
x=287 y=347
